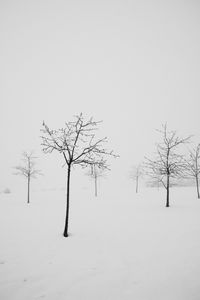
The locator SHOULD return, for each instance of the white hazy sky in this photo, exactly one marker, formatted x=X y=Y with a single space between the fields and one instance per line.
x=132 y=64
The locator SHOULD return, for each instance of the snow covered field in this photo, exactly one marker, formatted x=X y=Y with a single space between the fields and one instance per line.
x=122 y=246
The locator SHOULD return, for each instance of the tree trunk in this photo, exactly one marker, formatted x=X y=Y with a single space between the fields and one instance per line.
x=197 y=184
x=28 y=200
x=65 y=234
x=167 y=202
x=137 y=184
x=95 y=183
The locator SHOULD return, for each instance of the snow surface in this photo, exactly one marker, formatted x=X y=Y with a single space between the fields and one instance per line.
x=121 y=246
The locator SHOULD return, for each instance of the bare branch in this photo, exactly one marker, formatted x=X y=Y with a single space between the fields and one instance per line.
x=77 y=142
x=28 y=167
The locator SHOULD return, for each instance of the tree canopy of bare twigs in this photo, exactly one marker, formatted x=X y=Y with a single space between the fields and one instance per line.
x=28 y=170
x=77 y=143
x=192 y=166
x=168 y=162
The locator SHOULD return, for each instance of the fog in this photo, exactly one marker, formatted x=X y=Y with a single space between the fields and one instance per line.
x=132 y=64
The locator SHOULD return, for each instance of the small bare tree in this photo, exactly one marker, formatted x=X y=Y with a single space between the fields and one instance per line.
x=95 y=173
x=28 y=170
x=77 y=143
x=168 y=163
x=136 y=174
x=193 y=166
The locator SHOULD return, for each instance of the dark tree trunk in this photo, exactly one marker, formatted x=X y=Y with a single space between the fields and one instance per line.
x=95 y=183
x=167 y=188
x=28 y=200
x=197 y=184
x=65 y=234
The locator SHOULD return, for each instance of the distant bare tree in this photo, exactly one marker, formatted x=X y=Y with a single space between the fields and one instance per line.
x=6 y=191
x=154 y=181
x=168 y=163
x=136 y=174
x=28 y=169
x=77 y=143
x=193 y=166
x=95 y=173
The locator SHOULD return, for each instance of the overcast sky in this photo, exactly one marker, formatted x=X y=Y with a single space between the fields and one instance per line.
x=132 y=64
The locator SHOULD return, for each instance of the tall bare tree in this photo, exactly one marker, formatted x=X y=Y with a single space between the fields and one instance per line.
x=193 y=166
x=135 y=174
x=28 y=170
x=168 y=162
x=77 y=143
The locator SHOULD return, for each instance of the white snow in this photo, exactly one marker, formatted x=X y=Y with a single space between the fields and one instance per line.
x=122 y=246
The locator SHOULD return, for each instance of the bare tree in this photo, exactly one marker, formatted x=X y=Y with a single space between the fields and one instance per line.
x=28 y=170
x=77 y=143
x=193 y=166
x=95 y=173
x=136 y=174
x=168 y=163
